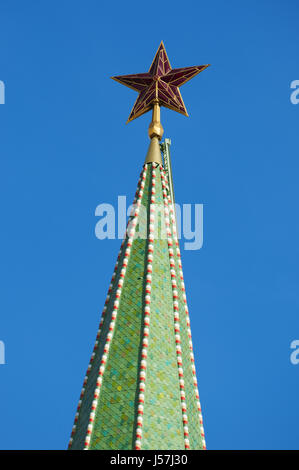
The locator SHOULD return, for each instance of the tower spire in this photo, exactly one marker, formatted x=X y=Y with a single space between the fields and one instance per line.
x=140 y=389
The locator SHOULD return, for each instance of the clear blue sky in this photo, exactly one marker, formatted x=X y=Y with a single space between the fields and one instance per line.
x=65 y=148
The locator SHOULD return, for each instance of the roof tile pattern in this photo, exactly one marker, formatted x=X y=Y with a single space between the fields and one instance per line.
x=140 y=390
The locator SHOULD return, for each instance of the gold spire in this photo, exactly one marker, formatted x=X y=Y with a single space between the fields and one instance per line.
x=158 y=87
x=155 y=127
x=155 y=132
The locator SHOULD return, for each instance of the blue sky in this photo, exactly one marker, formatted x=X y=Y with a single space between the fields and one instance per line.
x=65 y=148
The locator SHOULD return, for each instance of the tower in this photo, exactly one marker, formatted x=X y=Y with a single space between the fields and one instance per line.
x=140 y=390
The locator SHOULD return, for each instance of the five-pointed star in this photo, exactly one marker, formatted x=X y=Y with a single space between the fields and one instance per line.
x=160 y=83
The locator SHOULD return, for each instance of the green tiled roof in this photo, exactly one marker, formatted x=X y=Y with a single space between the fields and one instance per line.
x=140 y=389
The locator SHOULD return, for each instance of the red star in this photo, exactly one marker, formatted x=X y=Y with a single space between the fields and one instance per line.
x=160 y=82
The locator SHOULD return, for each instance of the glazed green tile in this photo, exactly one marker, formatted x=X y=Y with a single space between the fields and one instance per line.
x=115 y=417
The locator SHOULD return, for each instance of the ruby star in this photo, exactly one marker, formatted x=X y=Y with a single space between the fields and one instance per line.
x=160 y=83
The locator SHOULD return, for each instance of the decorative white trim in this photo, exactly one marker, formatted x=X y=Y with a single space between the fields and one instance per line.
x=176 y=313
x=178 y=254
x=147 y=311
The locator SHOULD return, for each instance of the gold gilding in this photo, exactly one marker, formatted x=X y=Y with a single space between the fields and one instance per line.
x=154 y=152
x=155 y=132
x=155 y=127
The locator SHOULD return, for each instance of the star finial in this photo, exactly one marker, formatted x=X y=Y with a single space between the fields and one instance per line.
x=160 y=84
